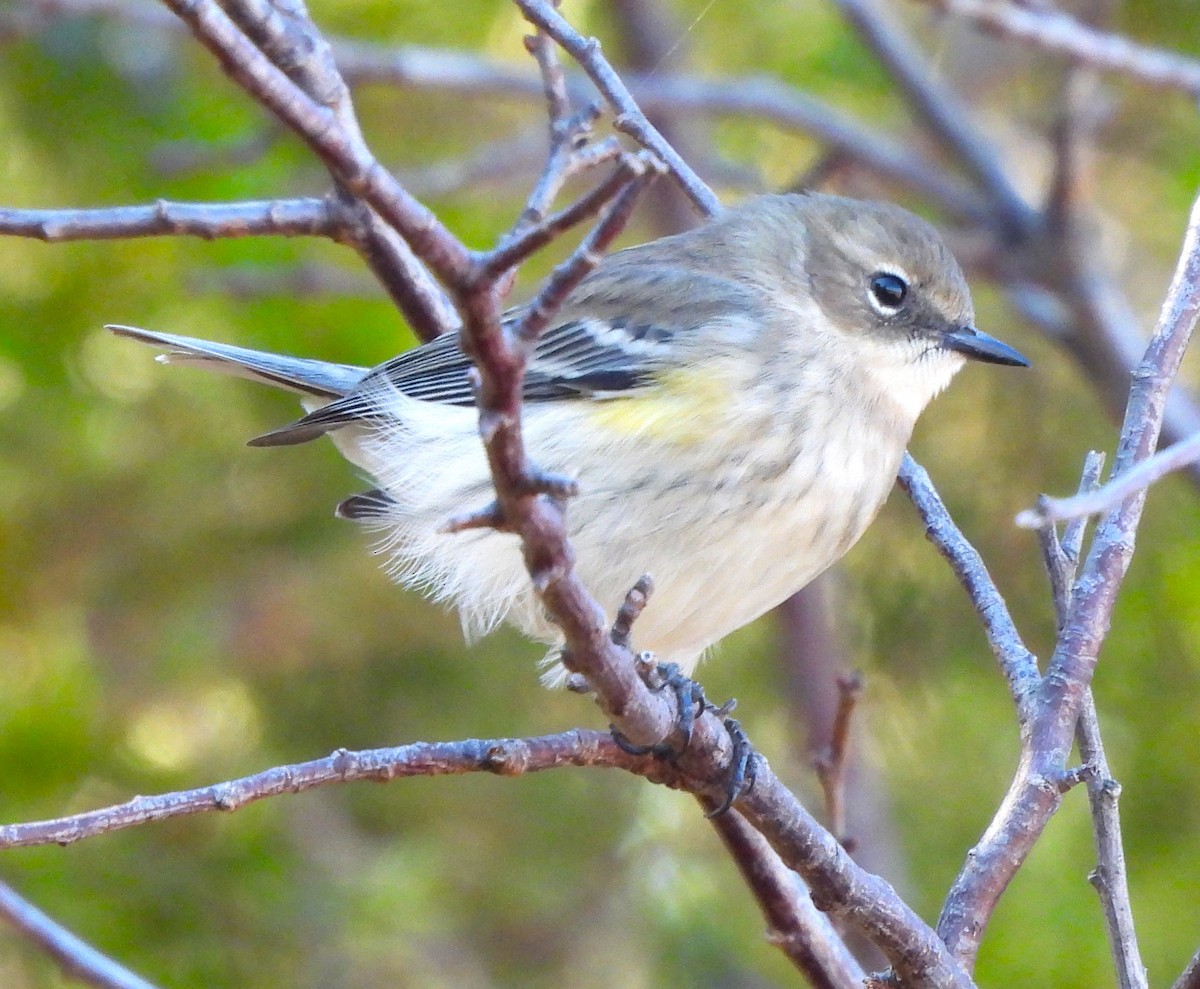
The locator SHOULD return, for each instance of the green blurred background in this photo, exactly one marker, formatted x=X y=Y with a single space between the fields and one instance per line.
x=176 y=609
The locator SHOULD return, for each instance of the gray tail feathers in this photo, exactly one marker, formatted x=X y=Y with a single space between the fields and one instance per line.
x=318 y=379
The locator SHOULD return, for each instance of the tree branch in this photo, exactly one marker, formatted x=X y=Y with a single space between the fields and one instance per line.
x=630 y=119
x=942 y=113
x=795 y=925
x=1017 y=663
x=74 y=956
x=830 y=762
x=1104 y=499
x=841 y=887
x=345 y=154
x=286 y=35
x=500 y=756
x=1059 y=33
x=308 y=217
x=1189 y=978
x=1035 y=794
x=1109 y=877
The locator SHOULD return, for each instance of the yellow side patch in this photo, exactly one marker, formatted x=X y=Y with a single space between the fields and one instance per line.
x=685 y=406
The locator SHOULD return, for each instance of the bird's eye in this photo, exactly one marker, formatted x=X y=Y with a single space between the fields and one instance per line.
x=887 y=292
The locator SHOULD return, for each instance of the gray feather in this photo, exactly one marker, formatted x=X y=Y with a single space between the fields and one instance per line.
x=319 y=379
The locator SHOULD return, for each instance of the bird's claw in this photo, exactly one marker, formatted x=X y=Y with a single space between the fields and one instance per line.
x=690 y=703
x=742 y=770
x=688 y=694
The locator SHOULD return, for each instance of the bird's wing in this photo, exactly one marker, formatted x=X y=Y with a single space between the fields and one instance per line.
x=582 y=356
x=318 y=379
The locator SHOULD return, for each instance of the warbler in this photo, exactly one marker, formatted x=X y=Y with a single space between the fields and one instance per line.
x=733 y=401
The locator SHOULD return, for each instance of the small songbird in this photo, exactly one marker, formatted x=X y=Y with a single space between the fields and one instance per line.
x=733 y=401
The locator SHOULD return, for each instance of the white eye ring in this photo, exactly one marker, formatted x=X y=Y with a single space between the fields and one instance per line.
x=887 y=291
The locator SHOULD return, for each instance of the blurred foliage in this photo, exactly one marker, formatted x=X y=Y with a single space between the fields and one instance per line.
x=176 y=609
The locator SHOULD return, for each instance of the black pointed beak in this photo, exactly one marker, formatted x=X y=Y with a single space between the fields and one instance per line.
x=980 y=347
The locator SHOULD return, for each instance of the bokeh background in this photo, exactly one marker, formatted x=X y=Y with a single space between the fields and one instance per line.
x=176 y=609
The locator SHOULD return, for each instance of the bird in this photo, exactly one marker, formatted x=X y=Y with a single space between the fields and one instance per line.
x=733 y=401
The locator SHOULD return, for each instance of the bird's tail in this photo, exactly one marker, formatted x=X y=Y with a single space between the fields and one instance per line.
x=317 y=379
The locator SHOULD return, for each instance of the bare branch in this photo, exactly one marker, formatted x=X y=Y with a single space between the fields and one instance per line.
x=830 y=762
x=1189 y=978
x=1061 y=558
x=308 y=217
x=1034 y=794
x=501 y=756
x=795 y=925
x=287 y=36
x=1072 y=537
x=1017 y=663
x=1112 y=547
x=941 y=111
x=1059 y=33
x=414 y=66
x=344 y=153
x=554 y=82
x=571 y=272
x=632 y=607
x=1109 y=877
x=841 y=887
x=535 y=235
x=75 y=957
x=1106 y=498
x=630 y=119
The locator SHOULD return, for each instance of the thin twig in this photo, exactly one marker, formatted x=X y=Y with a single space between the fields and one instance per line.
x=1104 y=499
x=1047 y=742
x=560 y=284
x=1089 y=479
x=794 y=925
x=1110 y=877
x=630 y=118
x=534 y=235
x=830 y=762
x=500 y=756
x=941 y=111
x=1061 y=558
x=1017 y=663
x=1059 y=33
x=77 y=958
x=308 y=217
x=631 y=609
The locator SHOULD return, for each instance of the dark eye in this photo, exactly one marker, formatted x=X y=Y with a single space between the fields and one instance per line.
x=887 y=292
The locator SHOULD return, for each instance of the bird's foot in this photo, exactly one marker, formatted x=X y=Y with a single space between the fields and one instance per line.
x=742 y=772
x=691 y=702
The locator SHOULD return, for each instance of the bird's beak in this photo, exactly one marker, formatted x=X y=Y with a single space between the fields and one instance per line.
x=981 y=347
